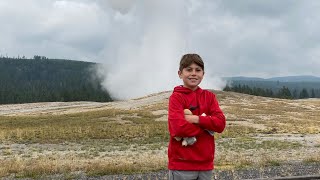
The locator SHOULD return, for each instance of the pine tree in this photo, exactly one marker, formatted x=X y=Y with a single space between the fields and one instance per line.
x=304 y=94
x=285 y=93
x=313 y=94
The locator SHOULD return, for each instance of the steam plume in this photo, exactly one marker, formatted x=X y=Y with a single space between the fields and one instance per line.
x=148 y=40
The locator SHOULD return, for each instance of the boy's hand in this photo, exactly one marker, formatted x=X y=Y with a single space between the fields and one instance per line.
x=192 y=118
x=189 y=117
x=187 y=112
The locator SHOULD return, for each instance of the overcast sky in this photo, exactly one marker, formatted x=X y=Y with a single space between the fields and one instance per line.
x=140 y=42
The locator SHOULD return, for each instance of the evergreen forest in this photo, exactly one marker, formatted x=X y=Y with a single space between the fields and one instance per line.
x=276 y=89
x=40 y=79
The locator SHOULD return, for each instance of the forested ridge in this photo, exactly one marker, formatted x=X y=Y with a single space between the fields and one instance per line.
x=300 y=89
x=40 y=79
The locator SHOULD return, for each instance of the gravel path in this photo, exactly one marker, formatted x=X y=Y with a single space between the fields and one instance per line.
x=286 y=171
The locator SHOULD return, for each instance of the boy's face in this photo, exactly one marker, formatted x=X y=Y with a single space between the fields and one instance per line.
x=191 y=76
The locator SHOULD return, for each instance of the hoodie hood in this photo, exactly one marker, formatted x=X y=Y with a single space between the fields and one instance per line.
x=185 y=90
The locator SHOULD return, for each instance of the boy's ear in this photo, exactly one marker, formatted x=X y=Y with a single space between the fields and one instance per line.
x=179 y=73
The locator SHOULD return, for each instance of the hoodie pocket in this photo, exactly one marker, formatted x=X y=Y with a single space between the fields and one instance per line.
x=201 y=151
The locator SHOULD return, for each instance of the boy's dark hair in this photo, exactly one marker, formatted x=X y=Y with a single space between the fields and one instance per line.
x=188 y=59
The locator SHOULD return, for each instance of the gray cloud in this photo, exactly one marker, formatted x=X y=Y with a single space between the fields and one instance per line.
x=141 y=41
x=123 y=6
x=265 y=8
x=62 y=29
x=247 y=35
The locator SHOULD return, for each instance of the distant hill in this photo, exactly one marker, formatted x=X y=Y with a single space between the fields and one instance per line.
x=243 y=78
x=45 y=80
x=305 y=78
x=295 y=79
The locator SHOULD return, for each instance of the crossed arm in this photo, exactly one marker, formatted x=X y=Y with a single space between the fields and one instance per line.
x=191 y=125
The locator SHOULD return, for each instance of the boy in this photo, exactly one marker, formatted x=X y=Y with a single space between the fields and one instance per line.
x=194 y=161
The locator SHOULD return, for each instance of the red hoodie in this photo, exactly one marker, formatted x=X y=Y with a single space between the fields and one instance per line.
x=199 y=156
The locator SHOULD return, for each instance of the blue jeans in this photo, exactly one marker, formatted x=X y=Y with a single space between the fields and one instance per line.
x=190 y=175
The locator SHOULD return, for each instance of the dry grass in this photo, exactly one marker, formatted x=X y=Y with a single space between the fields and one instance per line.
x=36 y=167
x=260 y=132
x=83 y=126
x=277 y=115
x=105 y=142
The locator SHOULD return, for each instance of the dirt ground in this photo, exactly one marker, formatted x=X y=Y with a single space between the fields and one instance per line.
x=310 y=142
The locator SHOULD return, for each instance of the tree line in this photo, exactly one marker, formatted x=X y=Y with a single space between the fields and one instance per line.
x=284 y=92
x=40 y=79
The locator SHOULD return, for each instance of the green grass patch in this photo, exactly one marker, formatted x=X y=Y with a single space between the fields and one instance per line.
x=236 y=131
x=245 y=143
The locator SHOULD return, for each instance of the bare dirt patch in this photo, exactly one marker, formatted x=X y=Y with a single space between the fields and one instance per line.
x=56 y=108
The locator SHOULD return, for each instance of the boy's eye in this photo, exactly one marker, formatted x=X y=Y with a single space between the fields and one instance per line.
x=190 y=69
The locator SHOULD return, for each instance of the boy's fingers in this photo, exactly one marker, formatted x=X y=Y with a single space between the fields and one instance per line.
x=187 y=112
